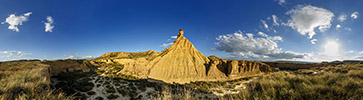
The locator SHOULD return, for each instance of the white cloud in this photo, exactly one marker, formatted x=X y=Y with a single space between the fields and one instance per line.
x=14 y=21
x=264 y=24
x=262 y=34
x=16 y=54
x=313 y=41
x=76 y=56
x=28 y=14
x=354 y=15
x=246 y=46
x=275 y=38
x=342 y=17
x=174 y=37
x=338 y=26
x=361 y=52
x=305 y=19
x=48 y=25
x=282 y=2
x=348 y=29
x=166 y=45
x=275 y=20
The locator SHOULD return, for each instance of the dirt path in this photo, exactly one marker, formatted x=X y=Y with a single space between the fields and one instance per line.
x=221 y=91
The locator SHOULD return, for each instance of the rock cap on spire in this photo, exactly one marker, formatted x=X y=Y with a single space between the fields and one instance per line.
x=180 y=33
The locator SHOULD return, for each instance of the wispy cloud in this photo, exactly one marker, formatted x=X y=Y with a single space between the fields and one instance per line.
x=275 y=20
x=166 y=45
x=48 y=25
x=264 y=24
x=282 y=2
x=174 y=37
x=14 y=21
x=354 y=15
x=76 y=56
x=342 y=17
x=15 y=54
x=313 y=41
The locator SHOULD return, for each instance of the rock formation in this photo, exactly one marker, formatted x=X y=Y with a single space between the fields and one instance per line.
x=181 y=63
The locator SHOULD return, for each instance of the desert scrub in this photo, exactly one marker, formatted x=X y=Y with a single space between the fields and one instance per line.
x=24 y=80
x=286 y=85
x=207 y=87
x=112 y=72
x=71 y=82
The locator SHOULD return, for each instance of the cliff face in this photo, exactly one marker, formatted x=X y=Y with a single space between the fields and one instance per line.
x=182 y=63
x=234 y=69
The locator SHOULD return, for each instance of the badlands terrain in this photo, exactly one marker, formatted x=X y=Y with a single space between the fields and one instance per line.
x=178 y=72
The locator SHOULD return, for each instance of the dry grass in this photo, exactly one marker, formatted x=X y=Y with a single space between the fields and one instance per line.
x=328 y=83
x=24 y=80
x=333 y=82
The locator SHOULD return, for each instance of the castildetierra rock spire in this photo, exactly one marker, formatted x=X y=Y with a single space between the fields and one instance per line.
x=181 y=62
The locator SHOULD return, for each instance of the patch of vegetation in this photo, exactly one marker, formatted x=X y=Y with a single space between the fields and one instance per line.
x=91 y=92
x=113 y=72
x=332 y=82
x=70 y=82
x=99 y=98
x=112 y=96
x=25 y=80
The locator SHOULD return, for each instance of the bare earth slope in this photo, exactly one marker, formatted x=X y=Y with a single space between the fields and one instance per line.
x=180 y=63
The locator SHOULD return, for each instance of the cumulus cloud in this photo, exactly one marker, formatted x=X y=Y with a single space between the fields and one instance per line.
x=166 y=45
x=275 y=20
x=354 y=15
x=305 y=19
x=17 y=54
x=261 y=47
x=76 y=56
x=342 y=17
x=264 y=24
x=338 y=26
x=313 y=41
x=48 y=25
x=14 y=21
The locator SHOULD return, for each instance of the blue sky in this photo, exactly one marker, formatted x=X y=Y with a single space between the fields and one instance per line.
x=302 y=30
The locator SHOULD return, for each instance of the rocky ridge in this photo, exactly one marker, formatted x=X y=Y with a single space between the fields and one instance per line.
x=180 y=63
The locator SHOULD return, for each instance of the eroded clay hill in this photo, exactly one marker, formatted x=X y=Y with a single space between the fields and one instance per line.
x=180 y=63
